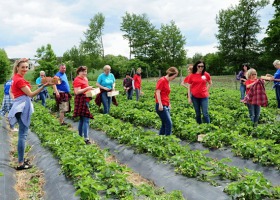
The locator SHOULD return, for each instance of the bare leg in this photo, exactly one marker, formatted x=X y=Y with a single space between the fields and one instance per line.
x=61 y=117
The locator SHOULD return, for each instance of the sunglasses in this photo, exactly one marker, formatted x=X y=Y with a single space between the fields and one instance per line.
x=254 y=74
x=22 y=60
x=200 y=66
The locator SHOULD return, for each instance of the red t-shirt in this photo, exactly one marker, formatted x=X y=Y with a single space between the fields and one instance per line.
x=137 y=81
x=164 y=87
x=187 y=79
x=248 y=82
x=18 y=83
x=198 y=84
x=80 y=82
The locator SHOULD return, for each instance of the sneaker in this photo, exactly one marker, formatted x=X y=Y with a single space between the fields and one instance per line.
x=14 y=129
x=87 y=141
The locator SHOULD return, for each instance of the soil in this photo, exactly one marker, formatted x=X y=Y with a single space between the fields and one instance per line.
x=24 y=178
x=133 y=177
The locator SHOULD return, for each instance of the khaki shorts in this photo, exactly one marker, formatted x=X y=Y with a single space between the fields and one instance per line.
x=64 y=107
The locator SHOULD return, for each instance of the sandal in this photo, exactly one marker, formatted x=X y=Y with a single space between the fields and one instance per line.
x=24 y=166
x=26 y=161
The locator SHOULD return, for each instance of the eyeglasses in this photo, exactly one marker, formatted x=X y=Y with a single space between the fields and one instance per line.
x=254 y=74
x=200 y=66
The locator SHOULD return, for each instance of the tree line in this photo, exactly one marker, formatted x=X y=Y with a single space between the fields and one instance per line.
x=155 y=49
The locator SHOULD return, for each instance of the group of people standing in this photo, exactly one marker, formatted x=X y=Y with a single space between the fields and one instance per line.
x=20 y=106
x=133 y=84
x=198 y=82
x=252 y=89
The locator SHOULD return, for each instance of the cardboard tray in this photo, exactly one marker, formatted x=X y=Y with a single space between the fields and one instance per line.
x=113 y=93
x=267 y=78
x=51 y=80
x=93 y=92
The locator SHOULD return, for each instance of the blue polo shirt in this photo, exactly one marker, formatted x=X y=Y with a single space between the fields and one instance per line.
x=277 y=76
x=64 y=86
x=106 y=80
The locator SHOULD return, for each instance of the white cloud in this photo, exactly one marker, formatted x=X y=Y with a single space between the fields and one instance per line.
x=115 y=44
x=203 y=49
x=27 y=25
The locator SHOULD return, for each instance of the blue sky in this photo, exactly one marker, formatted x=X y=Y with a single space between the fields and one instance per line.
x=27 y=25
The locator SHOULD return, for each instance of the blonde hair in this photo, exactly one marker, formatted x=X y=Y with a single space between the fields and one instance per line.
x=250 y=72
x=171 y=71
x=106 y=67
x=139 y=70
x=17 y=63
x=276 y=62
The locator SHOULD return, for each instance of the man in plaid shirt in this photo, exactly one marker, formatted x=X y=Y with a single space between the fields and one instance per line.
x=7 y=101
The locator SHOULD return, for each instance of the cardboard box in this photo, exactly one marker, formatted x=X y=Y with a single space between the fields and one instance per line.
x=51 y=80
x=93 y=92
x=113 y=93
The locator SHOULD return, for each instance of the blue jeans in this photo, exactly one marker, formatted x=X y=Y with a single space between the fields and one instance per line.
x=242 y=90
x=254 y=111
x=166 y=123
x=277 y=90
x=43 y=98
x=106 y=101
x=83 y=127
x=22 y=135
x=201 y=103
x=137 y=92
x=129 y=94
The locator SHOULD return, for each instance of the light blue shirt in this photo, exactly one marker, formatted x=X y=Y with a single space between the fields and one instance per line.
x=106 y=80
x=38 y=81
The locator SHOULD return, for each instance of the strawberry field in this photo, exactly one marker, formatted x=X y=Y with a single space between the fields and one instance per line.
x=134 y=125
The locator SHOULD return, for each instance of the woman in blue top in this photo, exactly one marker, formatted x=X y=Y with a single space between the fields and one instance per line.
x=106 y=83
x=276 y=80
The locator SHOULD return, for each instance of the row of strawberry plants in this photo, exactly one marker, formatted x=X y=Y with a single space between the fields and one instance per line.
x=225 y=119
x=126 y=138
x=186 y=162
x=86 y=165
x=264 y=151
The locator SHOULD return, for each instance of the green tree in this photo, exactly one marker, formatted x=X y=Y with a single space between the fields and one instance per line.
x=238 y=27
x=172 y=52
x=215 y=64
x=139 y=32
x=133 y=64
x=196 y=57
x=271 y=43
x=117 y=63
x=47 y=61
x=5 y=66
x=92 y=46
